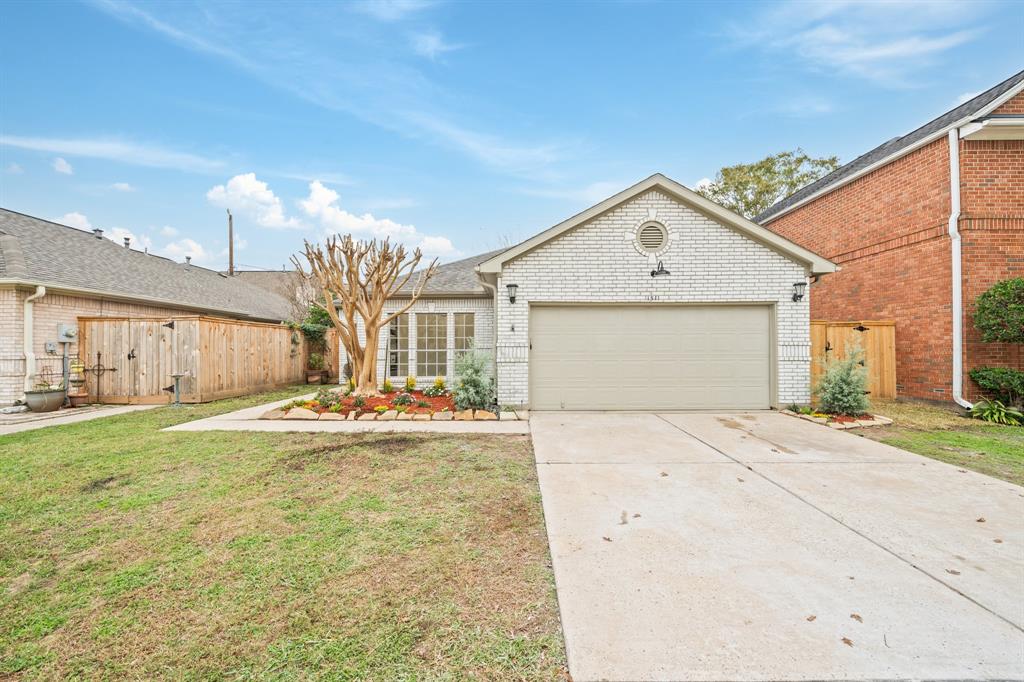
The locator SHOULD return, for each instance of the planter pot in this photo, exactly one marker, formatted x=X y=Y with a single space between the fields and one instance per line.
x=44 y=401
x=78 y=400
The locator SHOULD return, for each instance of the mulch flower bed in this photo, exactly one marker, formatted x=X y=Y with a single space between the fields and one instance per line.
x=841 y=421
x=441 y=403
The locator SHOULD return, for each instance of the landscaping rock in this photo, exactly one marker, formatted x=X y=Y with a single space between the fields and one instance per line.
x=351 y=416
x=524 y=415
x=883 y=421
x=507 y=416
x=484 y=416
x=368 y=417
x=421 y=417
x=464 y=416
x=332 y=417
x=389 y=416
x=443 y=416
x=842 y=426
x=404 y=417
x=273 y=414
x=301 y=413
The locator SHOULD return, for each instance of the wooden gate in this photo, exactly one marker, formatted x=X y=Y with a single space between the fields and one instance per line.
x=133 y=360
x=829 y=340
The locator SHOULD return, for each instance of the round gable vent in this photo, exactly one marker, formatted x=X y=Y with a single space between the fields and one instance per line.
x=652 y=237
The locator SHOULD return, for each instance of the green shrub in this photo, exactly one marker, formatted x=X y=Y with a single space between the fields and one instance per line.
x=327 y=397
x=436 y=389
x=387 y=387
x=358 y=401
x=841 y=387
x=422 y=403
x=996 y=412
x=410 y=384
x=1002 y=383
x=473 y=389
x=402 y=399
x=380 y=409
x=999 y=312
x=316 y=361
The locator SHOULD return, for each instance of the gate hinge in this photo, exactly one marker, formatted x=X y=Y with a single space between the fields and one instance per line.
x=169 y=389
x=169 y=325
x=861 y=328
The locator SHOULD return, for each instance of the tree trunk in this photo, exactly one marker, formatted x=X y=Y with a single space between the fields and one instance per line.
x=366 y=384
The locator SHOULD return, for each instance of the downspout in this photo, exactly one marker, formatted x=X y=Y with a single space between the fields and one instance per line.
x=494 y=330
x=954 y=237
x=28 y=337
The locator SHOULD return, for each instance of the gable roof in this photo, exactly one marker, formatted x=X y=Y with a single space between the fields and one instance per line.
x=899 y=146
x=39 y=252
x=457 y=278
x=816 y=264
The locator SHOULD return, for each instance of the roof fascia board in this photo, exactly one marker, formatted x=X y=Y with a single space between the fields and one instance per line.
x=114 y=296
x=815 y=263
x=991 y=106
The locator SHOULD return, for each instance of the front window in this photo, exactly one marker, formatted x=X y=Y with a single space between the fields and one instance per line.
x=431 y=345
x=465 y=332
x=398 y=347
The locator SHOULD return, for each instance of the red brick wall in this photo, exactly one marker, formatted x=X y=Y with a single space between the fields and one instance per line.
x=887 y=230
x=1014 y=105
x=992 y=229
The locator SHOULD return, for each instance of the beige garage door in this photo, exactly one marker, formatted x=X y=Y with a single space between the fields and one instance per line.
x=650 y=357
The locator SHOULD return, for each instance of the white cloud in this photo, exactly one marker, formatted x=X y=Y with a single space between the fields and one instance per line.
x=74 y=219
x=115 y=150
x=117 y=235
x=187 y=247
x=884 y=42
x=252 y=197
x=702 y=183
x=390 y=10
x=589 y=194
x=62 y=166
x=14 y=169
x=168 y=231
x=966 y=97
x=122 y=187
x=322 y=204
x=431 y=44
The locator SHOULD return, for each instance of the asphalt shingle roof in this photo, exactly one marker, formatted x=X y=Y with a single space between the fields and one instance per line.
x=43 y=252
x=965 y=110
x=457 y=277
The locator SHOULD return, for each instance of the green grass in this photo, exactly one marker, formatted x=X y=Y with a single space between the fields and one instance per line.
x=129 y=552
x=944 y=433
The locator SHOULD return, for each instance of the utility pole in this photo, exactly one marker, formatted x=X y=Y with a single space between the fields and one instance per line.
x=231 y=244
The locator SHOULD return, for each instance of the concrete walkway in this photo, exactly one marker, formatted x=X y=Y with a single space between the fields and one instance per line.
x=30 y=421
x=762 y=547
x=248 y=419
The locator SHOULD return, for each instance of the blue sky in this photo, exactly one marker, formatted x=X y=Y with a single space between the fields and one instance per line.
x=452 y=125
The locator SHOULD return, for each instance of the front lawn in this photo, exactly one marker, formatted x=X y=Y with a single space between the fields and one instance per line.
x=129 y=552
x=942 y=432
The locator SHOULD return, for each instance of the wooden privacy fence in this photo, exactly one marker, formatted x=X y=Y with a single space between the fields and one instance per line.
x=829 y=340
x=133 y=360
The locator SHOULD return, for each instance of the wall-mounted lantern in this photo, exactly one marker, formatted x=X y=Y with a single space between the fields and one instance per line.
x=798 y=291
x=660 y=270
x=511 y=292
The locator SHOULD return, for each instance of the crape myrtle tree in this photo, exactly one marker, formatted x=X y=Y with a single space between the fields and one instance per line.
x=356 y=279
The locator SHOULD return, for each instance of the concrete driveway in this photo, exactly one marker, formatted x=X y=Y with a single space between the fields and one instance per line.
x=762 y=547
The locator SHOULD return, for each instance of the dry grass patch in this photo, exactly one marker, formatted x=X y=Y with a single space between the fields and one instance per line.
x=128 y=552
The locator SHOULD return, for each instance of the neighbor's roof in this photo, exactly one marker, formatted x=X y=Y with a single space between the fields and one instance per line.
x=899 y=146
x=457 y=278
x=39 y=252
x=815 y=264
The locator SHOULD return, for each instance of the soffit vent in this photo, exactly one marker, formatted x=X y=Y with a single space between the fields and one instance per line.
x=652 y=237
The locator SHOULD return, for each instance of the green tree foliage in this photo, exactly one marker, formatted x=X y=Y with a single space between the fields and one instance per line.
x=752 y=188
x=1002 y=383
x=473 y=388
x=999 y=312
x=841 y=388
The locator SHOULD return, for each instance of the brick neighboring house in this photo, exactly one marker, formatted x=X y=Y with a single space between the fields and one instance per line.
x=52 y=274
x=891 y=220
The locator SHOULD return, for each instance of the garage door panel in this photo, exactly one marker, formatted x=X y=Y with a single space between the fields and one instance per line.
x=650 y=357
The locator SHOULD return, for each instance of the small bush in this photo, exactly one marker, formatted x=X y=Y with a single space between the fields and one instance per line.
x=350 y=386
x=1002 y=383
x=474 y=389
x=402 y=399
x=358 y=401
x=316 y=361
x=996 y=412
x=841 y=387
x=327 y=398
x=410 y=384
x=380 y=409
x=999 y=312
x=422 y=403
x=387 y=387
x=400 y=408
x=438 y=388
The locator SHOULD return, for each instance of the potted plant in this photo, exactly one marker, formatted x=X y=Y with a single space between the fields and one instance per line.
x=46 y=397
x=315 y=369
x=77 y=393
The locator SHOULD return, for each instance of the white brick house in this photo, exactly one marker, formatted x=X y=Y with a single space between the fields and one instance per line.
x=597 y=324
